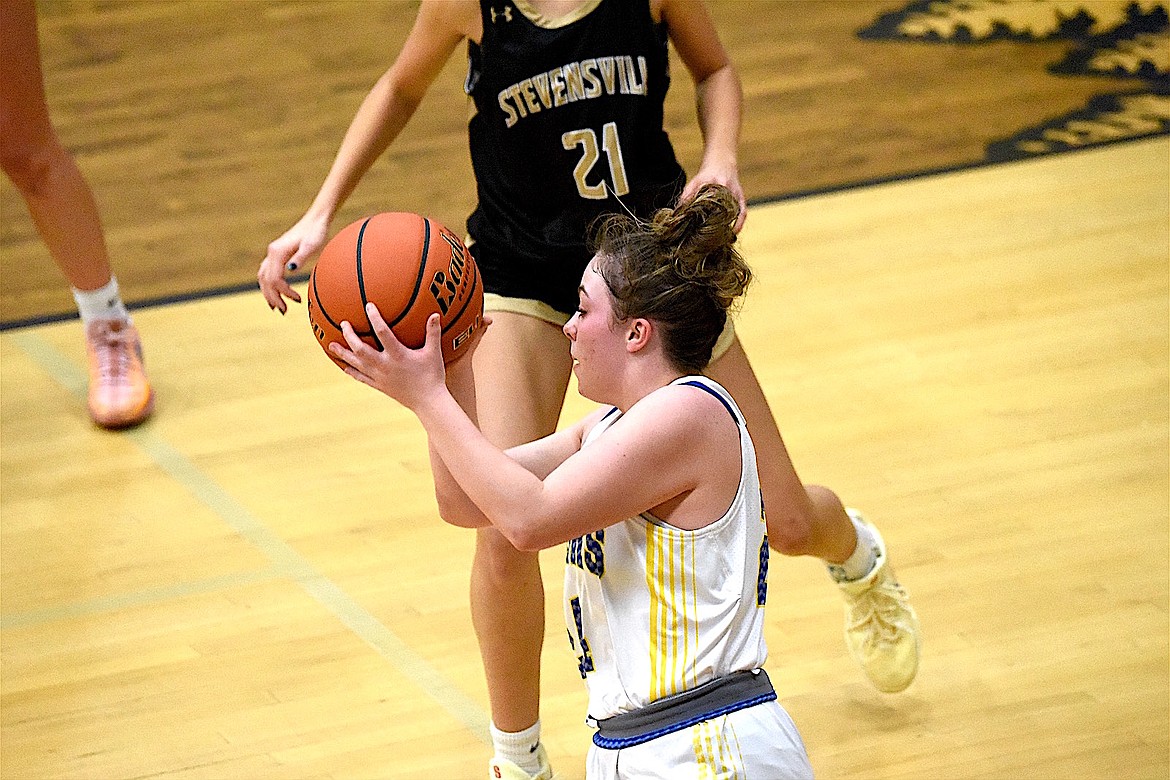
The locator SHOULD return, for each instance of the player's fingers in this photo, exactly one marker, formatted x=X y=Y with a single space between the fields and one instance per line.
x=287 y=290
x=280 y=287
x=275 y=288
x=275 y=301
x=434 y=327
x=434 y=334
x=298 y=259
x=381 y=330
x=343 y=354
x=356 y=345
x=389 y=340
x=359 y=376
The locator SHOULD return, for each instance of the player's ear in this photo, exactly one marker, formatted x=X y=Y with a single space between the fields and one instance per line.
x=638 y=334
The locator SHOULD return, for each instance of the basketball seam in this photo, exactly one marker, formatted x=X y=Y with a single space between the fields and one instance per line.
x=361 y=280
x=328 y=317
x=422 y=268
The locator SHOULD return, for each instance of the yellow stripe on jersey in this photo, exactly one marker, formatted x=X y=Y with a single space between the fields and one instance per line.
x=653 y=589
x=670 y=582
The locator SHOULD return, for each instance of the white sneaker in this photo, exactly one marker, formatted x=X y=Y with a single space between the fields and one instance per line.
x=502 y=769
x=881 y=628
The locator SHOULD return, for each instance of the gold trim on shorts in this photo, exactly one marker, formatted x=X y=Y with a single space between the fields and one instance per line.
x=542 y=311
x=528 y=306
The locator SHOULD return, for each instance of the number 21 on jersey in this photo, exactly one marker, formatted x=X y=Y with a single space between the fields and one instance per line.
x=591 y=151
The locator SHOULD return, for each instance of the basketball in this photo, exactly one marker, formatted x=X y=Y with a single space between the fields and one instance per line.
x=410 y=267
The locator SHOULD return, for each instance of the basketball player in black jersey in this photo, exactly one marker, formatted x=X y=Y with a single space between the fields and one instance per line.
x=569 y=125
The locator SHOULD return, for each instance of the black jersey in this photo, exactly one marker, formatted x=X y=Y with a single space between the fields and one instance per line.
x=568 y=125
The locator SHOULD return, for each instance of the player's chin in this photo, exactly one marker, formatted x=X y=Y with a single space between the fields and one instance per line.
x=586 y=387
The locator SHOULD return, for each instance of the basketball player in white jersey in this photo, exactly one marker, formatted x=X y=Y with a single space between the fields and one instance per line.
x=656 y=493
x=567 y=125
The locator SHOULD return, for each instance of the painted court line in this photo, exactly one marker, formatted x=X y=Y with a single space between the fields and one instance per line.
x=141 y=598
x=286 y=560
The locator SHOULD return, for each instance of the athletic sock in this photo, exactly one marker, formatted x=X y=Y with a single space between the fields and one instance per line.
x=863 y=559
x=519 y=747
x=104 y=303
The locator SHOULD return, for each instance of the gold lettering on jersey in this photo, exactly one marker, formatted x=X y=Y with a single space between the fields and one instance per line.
x=556 y=80
x=607 y=67
x=540 y=81
x=592 y=80
x=529 y=96
x=507 y=99
x=584 y=80
x=574 y=82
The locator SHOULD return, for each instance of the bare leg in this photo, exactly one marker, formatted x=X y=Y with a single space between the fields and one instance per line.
x=522 y=370
x=801 y=520
x=62 y=206
x=881 y=628
x=58 y=198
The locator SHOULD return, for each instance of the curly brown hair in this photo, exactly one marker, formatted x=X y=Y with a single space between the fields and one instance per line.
x=680 y=269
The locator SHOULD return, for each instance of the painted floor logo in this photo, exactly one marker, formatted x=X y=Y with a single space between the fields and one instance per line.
x=1126 y=39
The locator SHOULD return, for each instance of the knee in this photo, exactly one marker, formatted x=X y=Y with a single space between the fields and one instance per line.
x=789 y=533
x=498 y=559
x=800 y=528
x=28 y=164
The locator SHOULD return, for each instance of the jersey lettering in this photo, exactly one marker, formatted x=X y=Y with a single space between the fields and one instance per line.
x=584 y=80
x=584 y=656
x=762 y=575
x=587 y=552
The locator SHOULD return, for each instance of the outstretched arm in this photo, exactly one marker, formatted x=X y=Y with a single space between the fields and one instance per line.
x=438 y=29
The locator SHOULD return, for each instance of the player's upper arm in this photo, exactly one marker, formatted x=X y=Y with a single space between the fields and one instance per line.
x=438 y=29
x=656 y=452
x=694 y=37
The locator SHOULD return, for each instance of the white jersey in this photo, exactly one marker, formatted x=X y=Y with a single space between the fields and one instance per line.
x=653 y=610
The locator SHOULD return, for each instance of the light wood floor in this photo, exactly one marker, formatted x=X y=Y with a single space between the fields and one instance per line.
x=254 y=585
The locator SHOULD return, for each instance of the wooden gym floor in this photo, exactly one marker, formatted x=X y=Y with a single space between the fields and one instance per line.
x=254 y=585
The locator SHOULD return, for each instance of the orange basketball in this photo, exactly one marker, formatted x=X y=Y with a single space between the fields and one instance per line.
x=410 y=267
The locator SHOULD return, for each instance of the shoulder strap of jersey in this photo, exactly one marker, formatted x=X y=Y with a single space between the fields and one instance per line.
x=726 y=404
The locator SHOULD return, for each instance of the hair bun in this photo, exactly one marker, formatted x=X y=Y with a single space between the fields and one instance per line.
x=680 y=268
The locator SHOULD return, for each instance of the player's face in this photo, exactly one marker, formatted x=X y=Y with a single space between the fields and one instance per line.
x=597 y=342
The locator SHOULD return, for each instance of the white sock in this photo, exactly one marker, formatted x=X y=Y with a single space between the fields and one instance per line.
x=104 y=303
x=519 y=747
x=863 y=559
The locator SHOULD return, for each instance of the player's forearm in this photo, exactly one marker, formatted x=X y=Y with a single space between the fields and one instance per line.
x=507 y=493
x=378 y=121
x=719 y=103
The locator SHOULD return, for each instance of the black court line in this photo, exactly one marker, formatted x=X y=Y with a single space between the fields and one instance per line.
x=148 y=303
